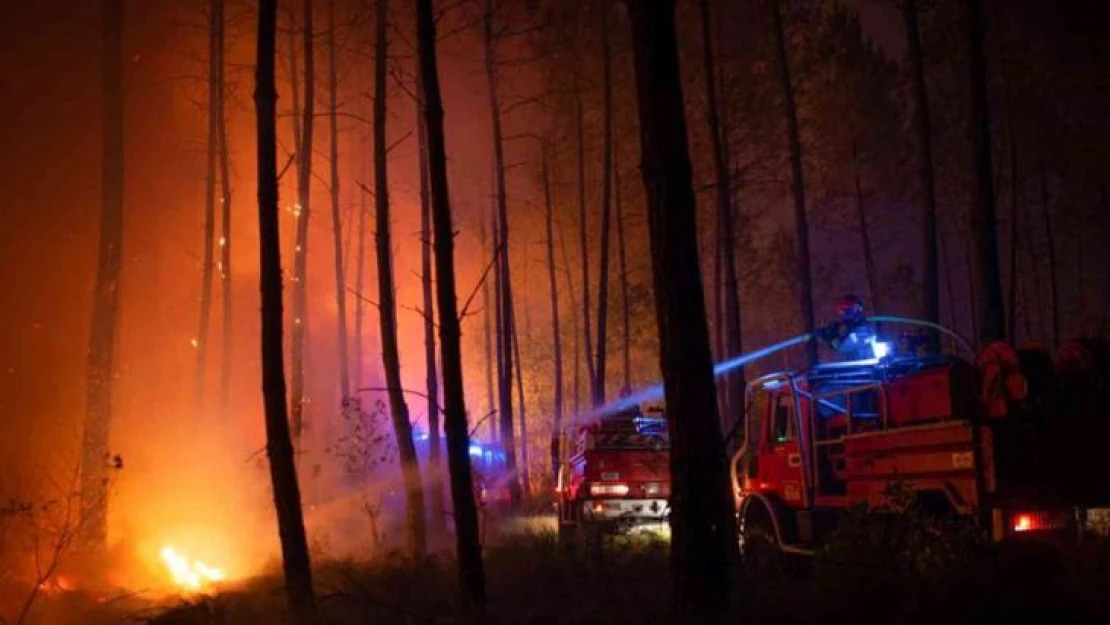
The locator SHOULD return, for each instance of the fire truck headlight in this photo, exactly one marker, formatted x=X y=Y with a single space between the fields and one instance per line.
x=609 y=489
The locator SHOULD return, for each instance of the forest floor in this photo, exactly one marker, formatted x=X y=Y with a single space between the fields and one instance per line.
x=863 y=579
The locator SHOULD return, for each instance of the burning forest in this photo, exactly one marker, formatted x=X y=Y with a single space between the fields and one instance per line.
x=492 y=311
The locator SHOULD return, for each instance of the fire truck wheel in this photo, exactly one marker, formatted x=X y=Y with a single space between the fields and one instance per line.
x=759 y=550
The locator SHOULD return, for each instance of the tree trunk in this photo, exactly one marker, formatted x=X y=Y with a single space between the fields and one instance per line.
x=801 y=222
x=1050 y=256
x=597 y=392
x=100 y=370
x=930 y=281
x=439 y=513
x=225 y=211
x=1011 y=320
x=556 y=335
x=488 y=305
x=865 y=235
x=576 y=385
x=949 y=285
x=580 y=123
x=471 y=573
x=734 y=387
x=983 y=222
x=505 y=293
x=622 y=258
x=703 y=532
x=360 y=274
x=336 y=217
x=387 y=309
x=208 y=261
x=300 y=260
x=279 y=447
x=525 y=474
x=972 y=289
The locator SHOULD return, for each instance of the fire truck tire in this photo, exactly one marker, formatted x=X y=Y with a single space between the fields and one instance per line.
x=760 y=553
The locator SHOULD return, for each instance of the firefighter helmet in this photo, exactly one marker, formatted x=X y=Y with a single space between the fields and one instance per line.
x=849 y=307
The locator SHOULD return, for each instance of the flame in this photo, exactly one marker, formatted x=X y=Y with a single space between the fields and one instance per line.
x=192 y=575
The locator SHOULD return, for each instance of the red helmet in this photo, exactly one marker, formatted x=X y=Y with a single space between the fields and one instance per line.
x=849 y=306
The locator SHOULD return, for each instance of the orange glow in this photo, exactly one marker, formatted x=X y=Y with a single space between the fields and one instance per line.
x=190 y=575
x=1023 y=523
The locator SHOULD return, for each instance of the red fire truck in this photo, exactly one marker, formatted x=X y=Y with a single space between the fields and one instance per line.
x=613 y=473
x=1010 y=437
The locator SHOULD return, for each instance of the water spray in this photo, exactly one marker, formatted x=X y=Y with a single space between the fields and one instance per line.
x=655 y=392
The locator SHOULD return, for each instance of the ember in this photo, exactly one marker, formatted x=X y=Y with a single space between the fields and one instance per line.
x=190 y=575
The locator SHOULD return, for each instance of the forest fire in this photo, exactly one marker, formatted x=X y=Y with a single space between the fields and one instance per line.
x=190 y=575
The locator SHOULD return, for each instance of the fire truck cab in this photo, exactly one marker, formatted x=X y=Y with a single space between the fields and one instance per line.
x=613 y=474
x=993 y=439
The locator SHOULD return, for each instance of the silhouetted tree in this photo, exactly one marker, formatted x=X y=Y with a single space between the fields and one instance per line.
x=303 y=212
x=553 y=285
x=801 y=221
x=597 y=391
x=336 y=217
x=431 y=384
x=471 y=574
x=279 y=446
x=923 y=128
x=505 y=284
x=106 y=293
x=387 y=309
x=208 y=259
x=727 y=235
x=225 y=207
x=984 y=231
x=702 y=526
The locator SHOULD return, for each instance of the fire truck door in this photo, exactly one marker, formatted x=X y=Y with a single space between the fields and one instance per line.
x=781 y=467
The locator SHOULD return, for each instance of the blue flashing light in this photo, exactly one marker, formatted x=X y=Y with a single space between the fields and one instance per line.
x=420 y=436
x=476 y=450
x=880 y=349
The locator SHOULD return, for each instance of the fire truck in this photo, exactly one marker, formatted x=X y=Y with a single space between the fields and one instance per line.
x=1008 y=437
x=613 y=473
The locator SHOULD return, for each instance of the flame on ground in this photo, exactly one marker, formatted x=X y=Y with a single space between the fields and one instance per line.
x=191 y=575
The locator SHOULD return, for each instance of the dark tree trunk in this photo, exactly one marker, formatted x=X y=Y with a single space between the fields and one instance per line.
x=801 y=221
x=505 y=292
x=972 y=287
x=525 y=474
x=597 y=392
x=734 y=387
x=491 y=319
x=703 y=532
x=360 y=274
x=208 y=261
x=471 y=572
x=556 y=335
x=300 y=256
x=439 y=514
x=930 y=282
x=225 y=211
x=949 y=285
x=622 y=258
x=1050 y=255
x=279 y=446
x=576 y=383
x=106 y=296
x=580 y=127
x=865 y=235
x=336 y=217
x=983 y=223
x=1011 y=309
x=387 y=308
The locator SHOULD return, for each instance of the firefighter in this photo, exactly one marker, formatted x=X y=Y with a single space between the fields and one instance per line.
x=851 y=335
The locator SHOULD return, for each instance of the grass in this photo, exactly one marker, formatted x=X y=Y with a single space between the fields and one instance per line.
x=878 y=570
